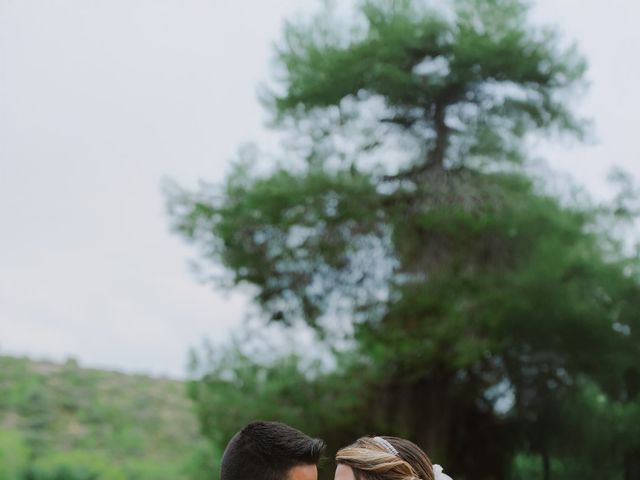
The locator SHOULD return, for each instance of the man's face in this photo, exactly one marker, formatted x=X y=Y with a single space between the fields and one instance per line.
x=303 y=472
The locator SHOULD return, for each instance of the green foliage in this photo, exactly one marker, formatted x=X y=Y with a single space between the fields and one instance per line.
x=14 y=454
x=63 y=422
x=204 y=461
x=235 y=387
x=279 y=220
x=469 y=84
x=73 y=465
x=487 y=317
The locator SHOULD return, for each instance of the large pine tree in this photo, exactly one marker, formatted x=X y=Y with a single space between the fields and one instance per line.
x=477 y=299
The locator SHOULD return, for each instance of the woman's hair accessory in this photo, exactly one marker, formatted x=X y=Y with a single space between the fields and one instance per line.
x=386 y=445
x=438 y=474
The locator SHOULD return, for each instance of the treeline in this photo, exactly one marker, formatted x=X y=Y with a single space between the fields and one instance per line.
x=63 y=422
x=484 y=311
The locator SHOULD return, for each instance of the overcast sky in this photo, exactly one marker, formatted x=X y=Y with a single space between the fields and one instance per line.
x=100 y=99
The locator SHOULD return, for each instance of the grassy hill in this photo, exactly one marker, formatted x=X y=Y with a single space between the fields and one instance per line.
x=64 y=422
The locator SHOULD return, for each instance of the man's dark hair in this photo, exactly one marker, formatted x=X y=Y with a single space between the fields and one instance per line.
x=267 y=451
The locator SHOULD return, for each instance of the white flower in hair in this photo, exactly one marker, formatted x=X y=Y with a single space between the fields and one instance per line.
x=439 y=474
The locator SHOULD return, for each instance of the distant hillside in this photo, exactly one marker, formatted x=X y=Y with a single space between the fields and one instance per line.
x=64 y=422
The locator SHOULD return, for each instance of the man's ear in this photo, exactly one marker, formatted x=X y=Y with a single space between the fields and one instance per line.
x=303 y=472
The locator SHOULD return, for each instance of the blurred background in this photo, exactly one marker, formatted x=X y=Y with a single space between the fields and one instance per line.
x=412 y=218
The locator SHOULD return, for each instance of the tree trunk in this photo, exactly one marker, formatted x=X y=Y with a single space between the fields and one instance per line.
x=469 y=442
x=546 y=465
x=632 y=466
x=442 y=137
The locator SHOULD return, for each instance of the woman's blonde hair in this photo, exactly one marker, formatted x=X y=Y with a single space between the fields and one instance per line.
x=371 y=459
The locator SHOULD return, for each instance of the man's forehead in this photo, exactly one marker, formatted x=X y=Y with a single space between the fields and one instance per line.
x=303 y=472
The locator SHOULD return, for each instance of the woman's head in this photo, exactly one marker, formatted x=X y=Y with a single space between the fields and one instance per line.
x=383 y=458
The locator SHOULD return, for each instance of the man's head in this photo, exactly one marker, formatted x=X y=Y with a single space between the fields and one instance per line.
x=271 y=451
